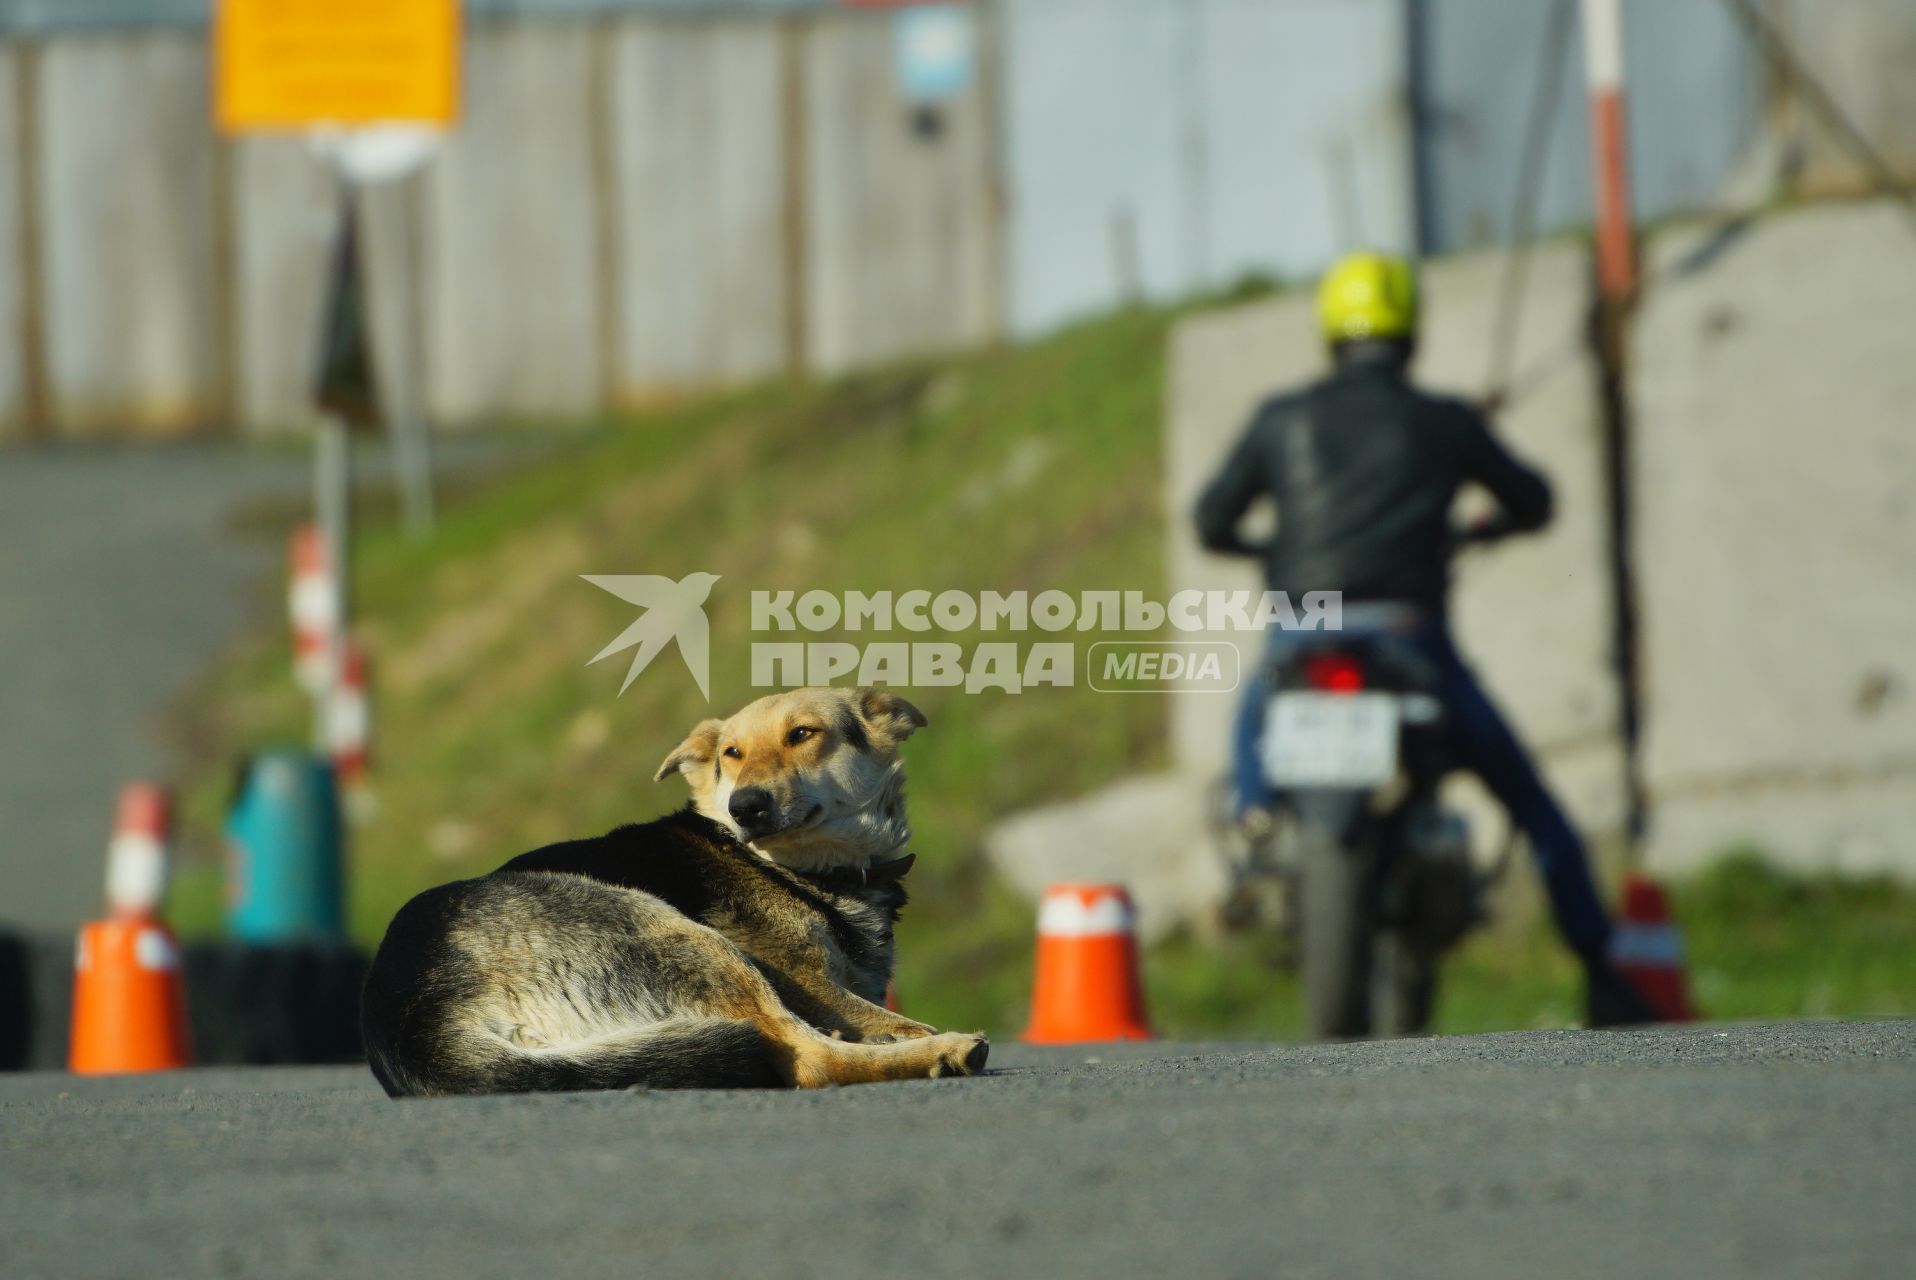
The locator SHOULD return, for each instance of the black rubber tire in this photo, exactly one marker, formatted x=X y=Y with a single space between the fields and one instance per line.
x=1403 y=987
x=1336 y=928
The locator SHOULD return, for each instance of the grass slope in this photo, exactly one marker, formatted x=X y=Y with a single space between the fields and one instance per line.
x=1009 y=469
x=1004 y=470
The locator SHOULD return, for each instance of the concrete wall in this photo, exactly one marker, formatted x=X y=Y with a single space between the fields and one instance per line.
x=1861 y=52
x=1773 y=485
x=131 y=233
x=1775 y=482
x=1533 y=615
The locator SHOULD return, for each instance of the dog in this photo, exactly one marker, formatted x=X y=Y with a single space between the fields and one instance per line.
x=743 y=941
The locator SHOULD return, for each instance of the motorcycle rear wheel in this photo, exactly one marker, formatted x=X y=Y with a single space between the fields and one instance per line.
x=1403 y=987
x=1337 y=940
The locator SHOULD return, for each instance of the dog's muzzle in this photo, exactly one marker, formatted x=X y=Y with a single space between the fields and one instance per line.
x=753 y=810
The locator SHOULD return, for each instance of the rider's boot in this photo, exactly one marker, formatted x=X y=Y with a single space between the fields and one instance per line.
x=1612 y=1000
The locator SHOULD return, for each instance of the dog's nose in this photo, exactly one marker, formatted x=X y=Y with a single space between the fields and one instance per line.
x=751 y=808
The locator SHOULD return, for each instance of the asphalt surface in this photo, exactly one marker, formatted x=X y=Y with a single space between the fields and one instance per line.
x=1783 y=1150
x=122 y=578
x=126 y=572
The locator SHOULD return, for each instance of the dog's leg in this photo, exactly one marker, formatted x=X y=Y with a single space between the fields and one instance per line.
x=809 y=1059
x=719 y=980
x=823 y=1061
x=836 y=1010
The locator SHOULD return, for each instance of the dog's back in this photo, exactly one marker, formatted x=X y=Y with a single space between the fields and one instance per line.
x=539 y=981
x=549 y=975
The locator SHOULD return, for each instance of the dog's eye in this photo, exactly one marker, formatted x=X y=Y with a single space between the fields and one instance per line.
x=732 y=753
x=799 y=735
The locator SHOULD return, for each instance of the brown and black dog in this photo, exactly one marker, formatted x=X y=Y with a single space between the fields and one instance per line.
x=745 y=940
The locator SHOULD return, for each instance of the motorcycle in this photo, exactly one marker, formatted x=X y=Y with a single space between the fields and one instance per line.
x=1364 y=878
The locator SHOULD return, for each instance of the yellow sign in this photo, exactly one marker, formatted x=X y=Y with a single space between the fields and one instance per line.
x=294 y=64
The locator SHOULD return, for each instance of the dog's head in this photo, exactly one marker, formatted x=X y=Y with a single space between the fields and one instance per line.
x=811 y=778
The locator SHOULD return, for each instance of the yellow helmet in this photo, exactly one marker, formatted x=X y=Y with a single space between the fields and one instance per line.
x=1368 y=295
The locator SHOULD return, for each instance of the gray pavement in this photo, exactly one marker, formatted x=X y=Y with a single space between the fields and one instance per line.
x=126 y=572
x=123 y=577
x=1783 y=1150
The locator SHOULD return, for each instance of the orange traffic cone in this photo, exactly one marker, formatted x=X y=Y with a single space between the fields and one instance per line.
x=129 y=1003
x=1087 y=986
x=1647 y=949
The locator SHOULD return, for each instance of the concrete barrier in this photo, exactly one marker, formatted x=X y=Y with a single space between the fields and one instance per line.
x=1775 y=492
x=1146 y=833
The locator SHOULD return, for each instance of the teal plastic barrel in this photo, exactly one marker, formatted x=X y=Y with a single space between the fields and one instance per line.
x=284 y=849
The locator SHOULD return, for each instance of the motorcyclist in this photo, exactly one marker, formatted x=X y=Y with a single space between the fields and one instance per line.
x=1363 y=468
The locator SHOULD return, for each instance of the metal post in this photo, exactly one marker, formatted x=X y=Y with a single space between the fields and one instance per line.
x=332 y=500
x=1609 y=148
x=411 y=445
x=1616 y=291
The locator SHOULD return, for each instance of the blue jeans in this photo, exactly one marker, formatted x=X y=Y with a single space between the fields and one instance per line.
x=1482 y=743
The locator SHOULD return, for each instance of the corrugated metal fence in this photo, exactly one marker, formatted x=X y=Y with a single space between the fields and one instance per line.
x=632 y=204
x=646 y=196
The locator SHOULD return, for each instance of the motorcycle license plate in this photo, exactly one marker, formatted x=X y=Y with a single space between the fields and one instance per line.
x=1330 y=740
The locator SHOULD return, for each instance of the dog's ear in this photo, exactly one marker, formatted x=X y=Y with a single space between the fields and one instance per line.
x=888 y=717
x=695 y=752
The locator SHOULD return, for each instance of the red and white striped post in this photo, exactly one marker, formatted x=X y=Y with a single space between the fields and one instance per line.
x=349 y=719
x=1609 y=148
x=312 y=601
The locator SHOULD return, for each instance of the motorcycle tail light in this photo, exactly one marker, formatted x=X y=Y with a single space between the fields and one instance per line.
x=1334 y=673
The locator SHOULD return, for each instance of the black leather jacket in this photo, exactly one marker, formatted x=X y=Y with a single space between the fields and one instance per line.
x=1363 y=468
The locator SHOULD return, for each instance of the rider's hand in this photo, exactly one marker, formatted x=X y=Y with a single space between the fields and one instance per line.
x=1484 y=528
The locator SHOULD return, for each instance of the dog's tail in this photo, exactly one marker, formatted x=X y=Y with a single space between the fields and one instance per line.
x=679 y=1053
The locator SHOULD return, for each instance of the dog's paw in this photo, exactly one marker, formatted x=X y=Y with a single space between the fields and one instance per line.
x=960 y=1055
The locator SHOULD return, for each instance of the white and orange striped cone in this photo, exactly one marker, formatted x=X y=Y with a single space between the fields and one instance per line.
x=129 y=1000
x=1087 y=987
x=349 y=719
x=1647 y=950
x=313 y=605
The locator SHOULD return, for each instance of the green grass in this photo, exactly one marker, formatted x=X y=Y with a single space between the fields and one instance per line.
x=1761 y=944
x=1008 y=469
